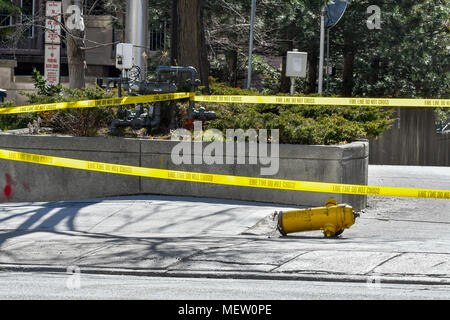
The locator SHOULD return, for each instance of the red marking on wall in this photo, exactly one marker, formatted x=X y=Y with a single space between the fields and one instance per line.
x=8 y=190
x=26 y=187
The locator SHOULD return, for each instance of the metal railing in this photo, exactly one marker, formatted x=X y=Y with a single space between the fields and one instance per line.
x=158 y=37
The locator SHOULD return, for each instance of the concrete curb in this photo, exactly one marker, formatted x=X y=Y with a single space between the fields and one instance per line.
x=380 y=279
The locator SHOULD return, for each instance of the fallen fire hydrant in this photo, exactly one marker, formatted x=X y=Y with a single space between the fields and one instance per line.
x=332 y=219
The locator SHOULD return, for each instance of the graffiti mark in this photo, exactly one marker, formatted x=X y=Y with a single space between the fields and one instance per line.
x=8 y=190
x=26 y=187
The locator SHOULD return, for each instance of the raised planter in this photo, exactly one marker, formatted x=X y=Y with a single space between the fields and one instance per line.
x=25 y=182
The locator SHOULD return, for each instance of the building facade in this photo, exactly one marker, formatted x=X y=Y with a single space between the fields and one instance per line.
x=26 y=43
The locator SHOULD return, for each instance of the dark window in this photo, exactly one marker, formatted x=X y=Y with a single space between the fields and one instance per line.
x=158 y=39
x=94 y=7
x=5 y=17
x=27 y=17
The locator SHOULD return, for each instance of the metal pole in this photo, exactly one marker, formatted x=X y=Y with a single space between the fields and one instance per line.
x=322 y=44
x=250 y=53
x=292 y=86
x=328 y=59
x=136 y=32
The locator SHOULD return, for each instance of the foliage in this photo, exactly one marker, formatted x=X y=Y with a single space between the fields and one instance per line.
x=269 y=76
x=77 y=122
x=408 y=57
x=319 y=125
x=7 y=9
x=45 y=93
x=15 y=121
x=442 y=118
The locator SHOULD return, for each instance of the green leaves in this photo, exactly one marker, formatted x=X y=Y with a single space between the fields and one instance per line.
x=318 y=125
x=7 y=7
x=77 y=122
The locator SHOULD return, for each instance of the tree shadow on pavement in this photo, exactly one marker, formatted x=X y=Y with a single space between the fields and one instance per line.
x=46 y=218
x=49 y=233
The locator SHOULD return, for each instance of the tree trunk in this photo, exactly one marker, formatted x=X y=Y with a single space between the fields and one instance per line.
x=312 y=70
x=191 y=46
x=231 y=57
x=285 y=83
x=349 y=64
x=74 y=43
x=174 y=34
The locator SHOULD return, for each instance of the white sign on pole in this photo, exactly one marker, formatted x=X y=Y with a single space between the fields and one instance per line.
x=296 y=64
x=53 y=22
x=52 y=61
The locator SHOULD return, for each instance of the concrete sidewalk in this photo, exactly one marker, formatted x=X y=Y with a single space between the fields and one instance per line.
x=395 y=240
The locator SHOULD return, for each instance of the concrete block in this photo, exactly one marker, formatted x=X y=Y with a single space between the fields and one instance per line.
x=22 y=181
x=335 y=164
x=30 y=182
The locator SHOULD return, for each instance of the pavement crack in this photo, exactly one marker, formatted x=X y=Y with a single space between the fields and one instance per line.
x=104 y=219
x=384 y=261
x=279 y=266
x=438 y=264
x=204 y=251
x=90 y=252
x=240 y=263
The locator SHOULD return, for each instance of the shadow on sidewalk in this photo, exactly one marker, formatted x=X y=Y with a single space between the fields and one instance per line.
x=45 y=218
x=149 y=230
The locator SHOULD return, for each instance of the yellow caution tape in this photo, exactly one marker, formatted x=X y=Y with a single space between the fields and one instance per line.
x=223 y=179
x=418 y=103
x=95 y=103
x=284 y=100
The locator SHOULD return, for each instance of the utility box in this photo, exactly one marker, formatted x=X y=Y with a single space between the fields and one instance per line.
x=124 y=56
x=2 y=95
x=296 y=64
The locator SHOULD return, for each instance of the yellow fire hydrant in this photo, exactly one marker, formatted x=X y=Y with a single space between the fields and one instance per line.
x=332 y=219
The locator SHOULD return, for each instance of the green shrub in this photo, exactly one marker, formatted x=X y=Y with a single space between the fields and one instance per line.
x=76 y=122
x=267 y=76
x=442 y=117
x=318 y=125
x=15 y=121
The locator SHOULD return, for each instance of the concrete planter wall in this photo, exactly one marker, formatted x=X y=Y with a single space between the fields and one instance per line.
x=24 y=182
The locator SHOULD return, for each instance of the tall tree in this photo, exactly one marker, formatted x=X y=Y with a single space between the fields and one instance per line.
x=75 y=42
x=190 y=38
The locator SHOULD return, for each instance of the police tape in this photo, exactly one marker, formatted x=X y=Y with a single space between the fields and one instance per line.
x=285 y=100
x=281 y=100
x=109 y=102
x=229 y=180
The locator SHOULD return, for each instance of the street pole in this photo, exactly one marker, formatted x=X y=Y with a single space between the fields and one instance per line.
x=322 y=49
x=292 y=86
x=328 y=60
x=136 y=32
x=250 y=54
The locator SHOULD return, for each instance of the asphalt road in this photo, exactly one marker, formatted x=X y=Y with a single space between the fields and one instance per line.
x=36 y=286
